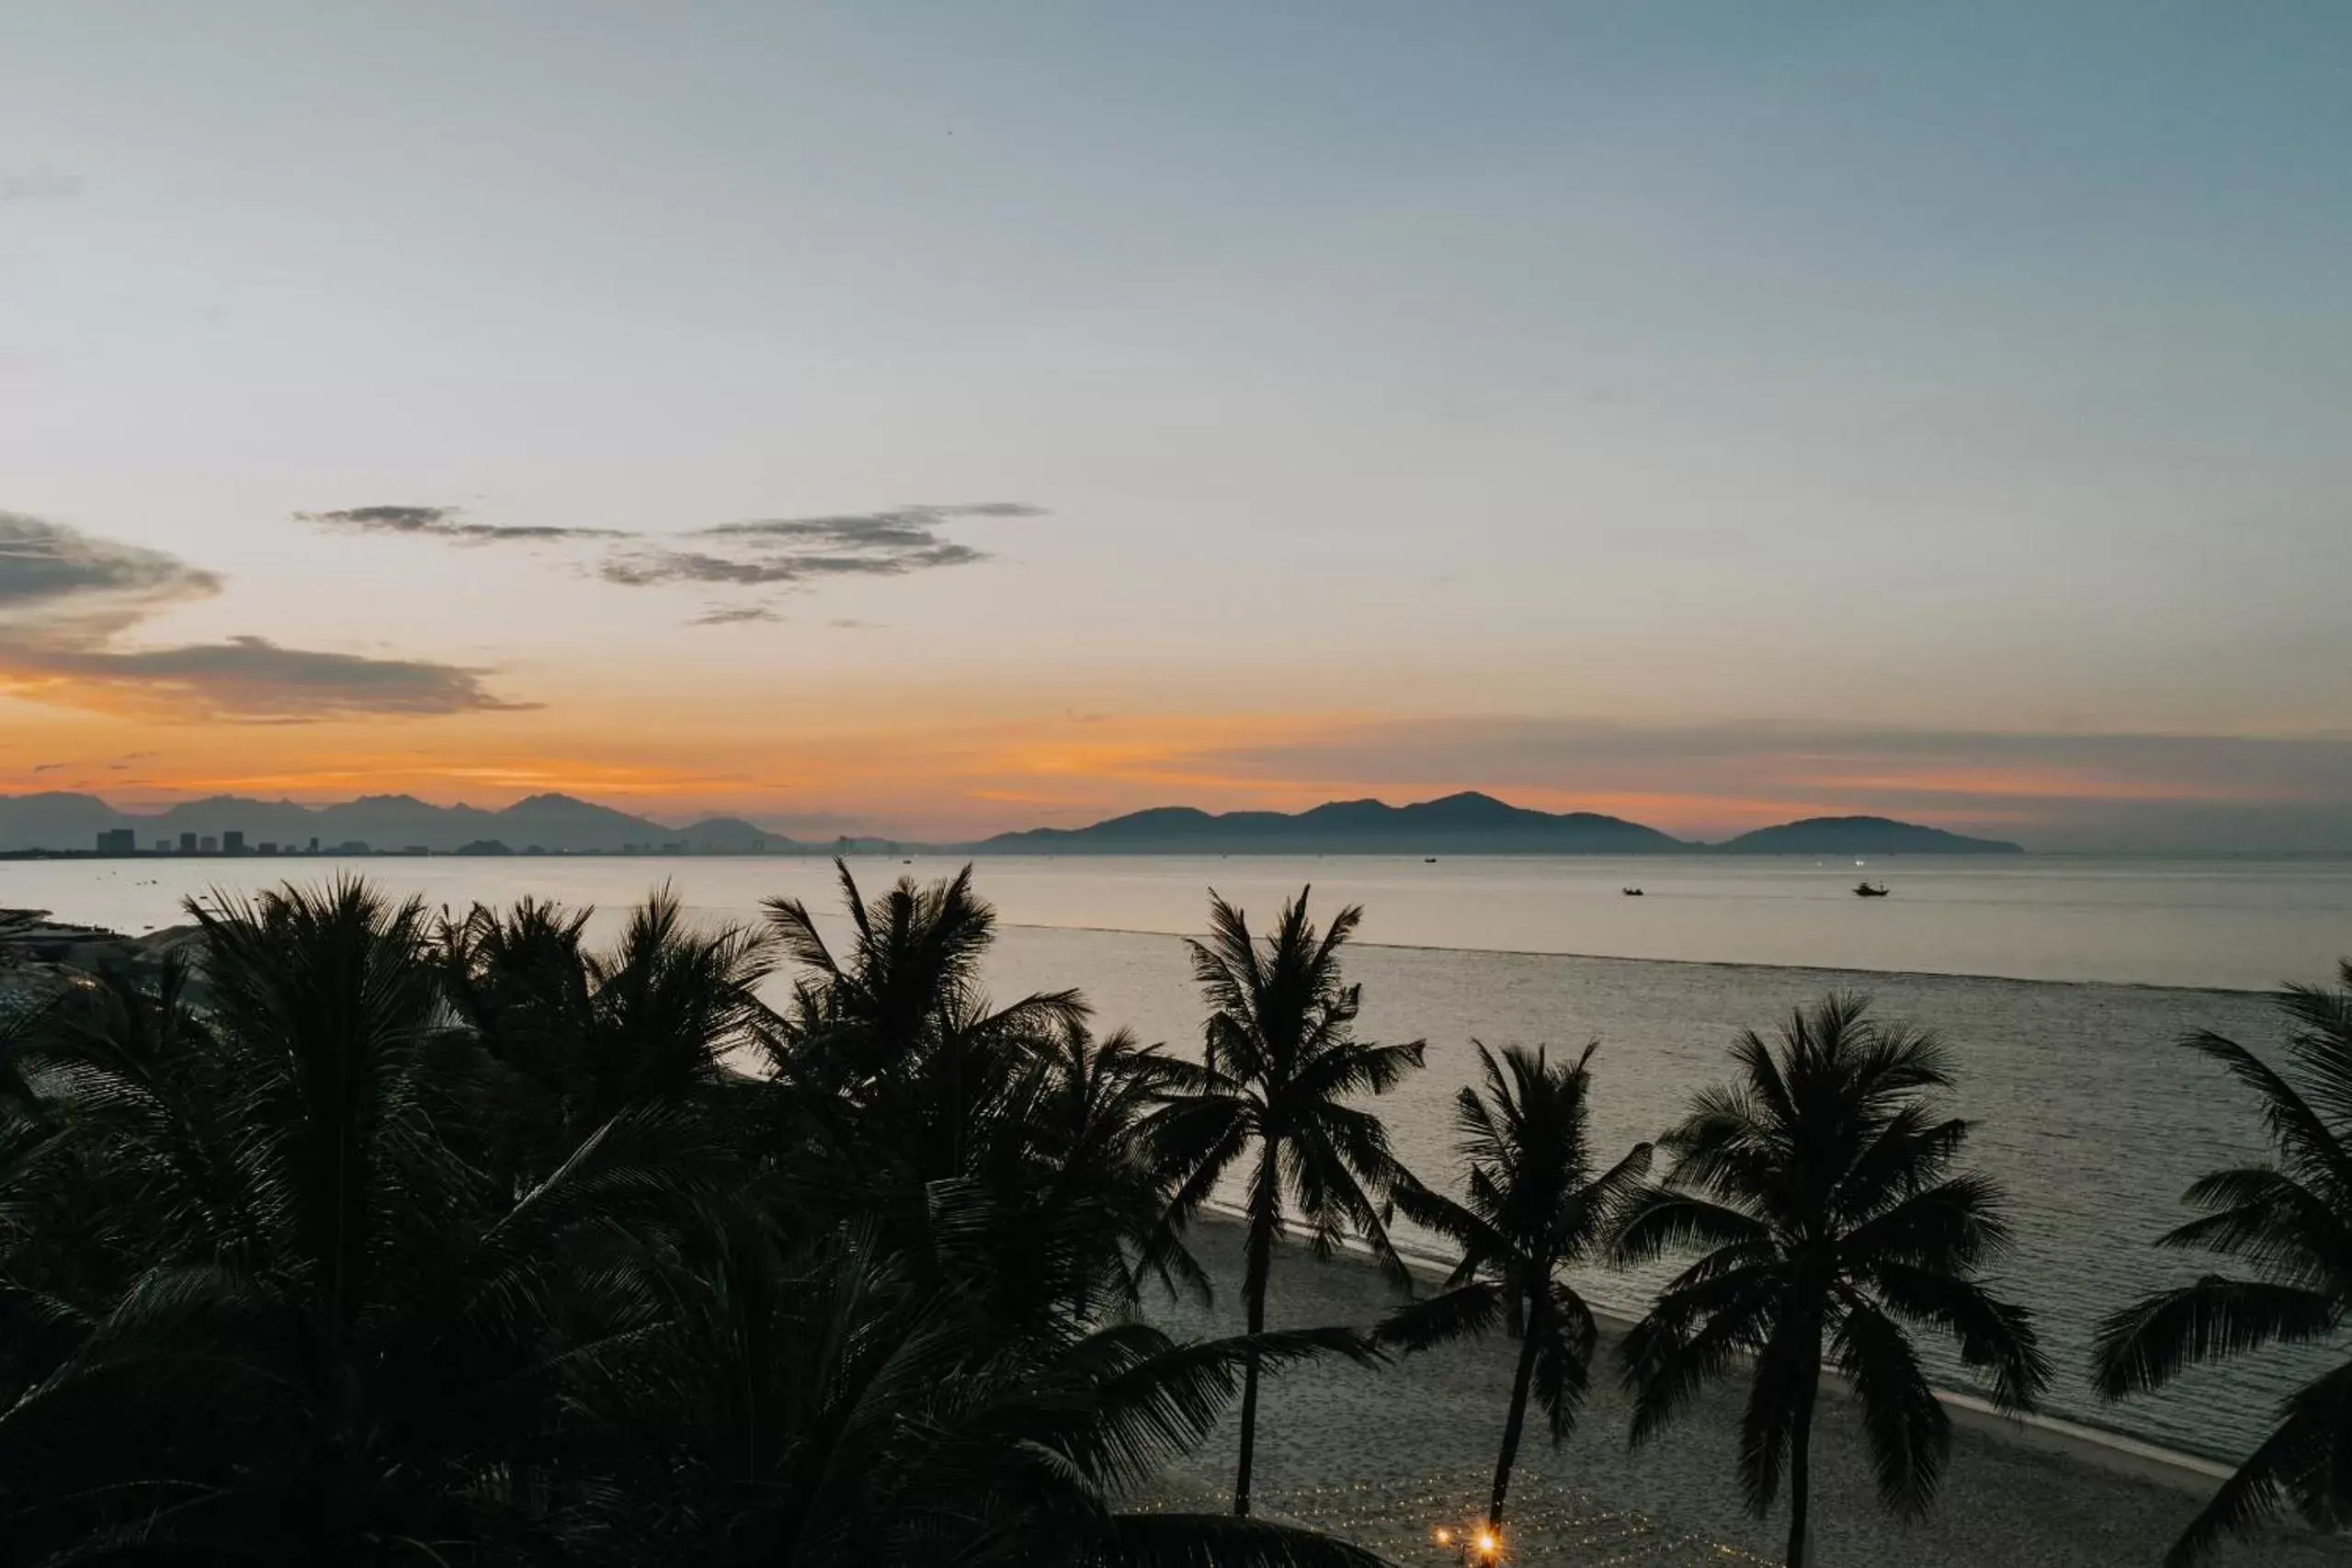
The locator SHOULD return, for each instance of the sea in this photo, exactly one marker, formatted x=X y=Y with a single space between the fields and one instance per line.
x=2063 y=986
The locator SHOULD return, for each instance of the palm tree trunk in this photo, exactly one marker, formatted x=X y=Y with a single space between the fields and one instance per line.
x=1258 y=1265
x=1515 y=1422
x=1801 y=1448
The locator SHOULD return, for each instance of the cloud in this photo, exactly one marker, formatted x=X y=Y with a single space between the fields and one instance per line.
x=655 y=568
x=901 y=528
x=757 y=553
x=48 y=767
x=252 y=677
x=765 y=551
x=49 y=569
x=442 y=522
x=38 y=185
x=67 y=598
x=734 y=615
x=846 y=623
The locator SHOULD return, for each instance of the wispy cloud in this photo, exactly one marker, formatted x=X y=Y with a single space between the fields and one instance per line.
x=734 y=615
x=67 y=600
x=445 y=523
x=253 y=677
x=655 y=568
x=49 y=570
x=759 y=552
x=763 y=552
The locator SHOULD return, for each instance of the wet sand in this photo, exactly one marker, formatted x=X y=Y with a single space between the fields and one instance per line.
x=1382 y=1457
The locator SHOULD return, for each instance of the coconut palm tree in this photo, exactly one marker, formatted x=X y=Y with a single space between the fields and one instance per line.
x=1280 y=1064
x=1532 y=1206
x=898 y=1074
x=815 y=1402
x=1820 y=1186
x=584 y=1035
x=2290 y=1222
x=307 y=1360
x=276 y=1287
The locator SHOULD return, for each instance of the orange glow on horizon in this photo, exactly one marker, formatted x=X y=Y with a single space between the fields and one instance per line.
x=913 y=776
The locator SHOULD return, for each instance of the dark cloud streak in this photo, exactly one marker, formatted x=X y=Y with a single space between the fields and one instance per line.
x=252 y=677
x=734 y=615
x=759 y=552
x=443 y=522
x=655 y=568
x=46 y=566
x=67 y=597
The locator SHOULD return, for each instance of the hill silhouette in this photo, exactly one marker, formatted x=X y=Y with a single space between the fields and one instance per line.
x=1465 y=823
x=1863 y=836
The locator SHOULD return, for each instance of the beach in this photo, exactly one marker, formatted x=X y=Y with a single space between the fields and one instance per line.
x=1382 y=1457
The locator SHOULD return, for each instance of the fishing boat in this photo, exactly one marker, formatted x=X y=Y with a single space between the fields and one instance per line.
x=1631 y=893
x=1866 y=890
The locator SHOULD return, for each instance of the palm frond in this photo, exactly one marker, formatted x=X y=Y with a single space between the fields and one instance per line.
x=2147 y=1345
x=1910 y=1432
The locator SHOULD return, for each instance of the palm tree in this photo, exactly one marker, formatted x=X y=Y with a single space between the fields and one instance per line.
x=587 y=1035
x=809 y=1403
x=1821 y=1186
x=1532 y=1207
x=898 y=1075
x=2290 y=1221
x=1280 y=1061
x=294 y=1267
x=334 y=1340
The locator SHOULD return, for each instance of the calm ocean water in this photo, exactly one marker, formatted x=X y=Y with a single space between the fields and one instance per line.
x=2061 y=984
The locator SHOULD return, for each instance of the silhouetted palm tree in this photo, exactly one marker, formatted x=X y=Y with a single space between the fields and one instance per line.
x=816 y=1403
x=900 y=1075
x=1531 y=1208
x=334 y=1343
x=1281 y=1062
x=1820 y=1183
x=589 y=1033
x=2290 y=1223
x=296 y=1268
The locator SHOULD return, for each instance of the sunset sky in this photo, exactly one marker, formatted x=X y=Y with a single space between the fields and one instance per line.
x=929 y=418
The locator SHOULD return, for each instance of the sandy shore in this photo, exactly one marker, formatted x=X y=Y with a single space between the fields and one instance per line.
x=1382 y=1457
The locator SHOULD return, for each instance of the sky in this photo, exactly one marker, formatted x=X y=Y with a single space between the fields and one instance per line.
x=932 y=418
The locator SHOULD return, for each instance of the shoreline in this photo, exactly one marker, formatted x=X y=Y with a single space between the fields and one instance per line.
x=1380 y=1457
x=1695 y=963
x=2119 y=1451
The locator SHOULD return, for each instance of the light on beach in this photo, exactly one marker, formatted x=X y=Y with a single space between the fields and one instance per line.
x=1489 y=1543
x=1443 y=1536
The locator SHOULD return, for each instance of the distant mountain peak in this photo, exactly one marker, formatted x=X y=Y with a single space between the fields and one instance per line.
x=1863 y=836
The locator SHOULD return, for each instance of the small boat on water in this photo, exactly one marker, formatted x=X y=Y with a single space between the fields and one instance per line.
x=1428 y=859
x=1866 y=890
x=1631 y=893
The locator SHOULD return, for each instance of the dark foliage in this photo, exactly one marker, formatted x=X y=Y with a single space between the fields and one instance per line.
x=1819 y=1188
x=2289 y=1224
x=368 y=1239
x=1281 y=1068
x=1531 y=1206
